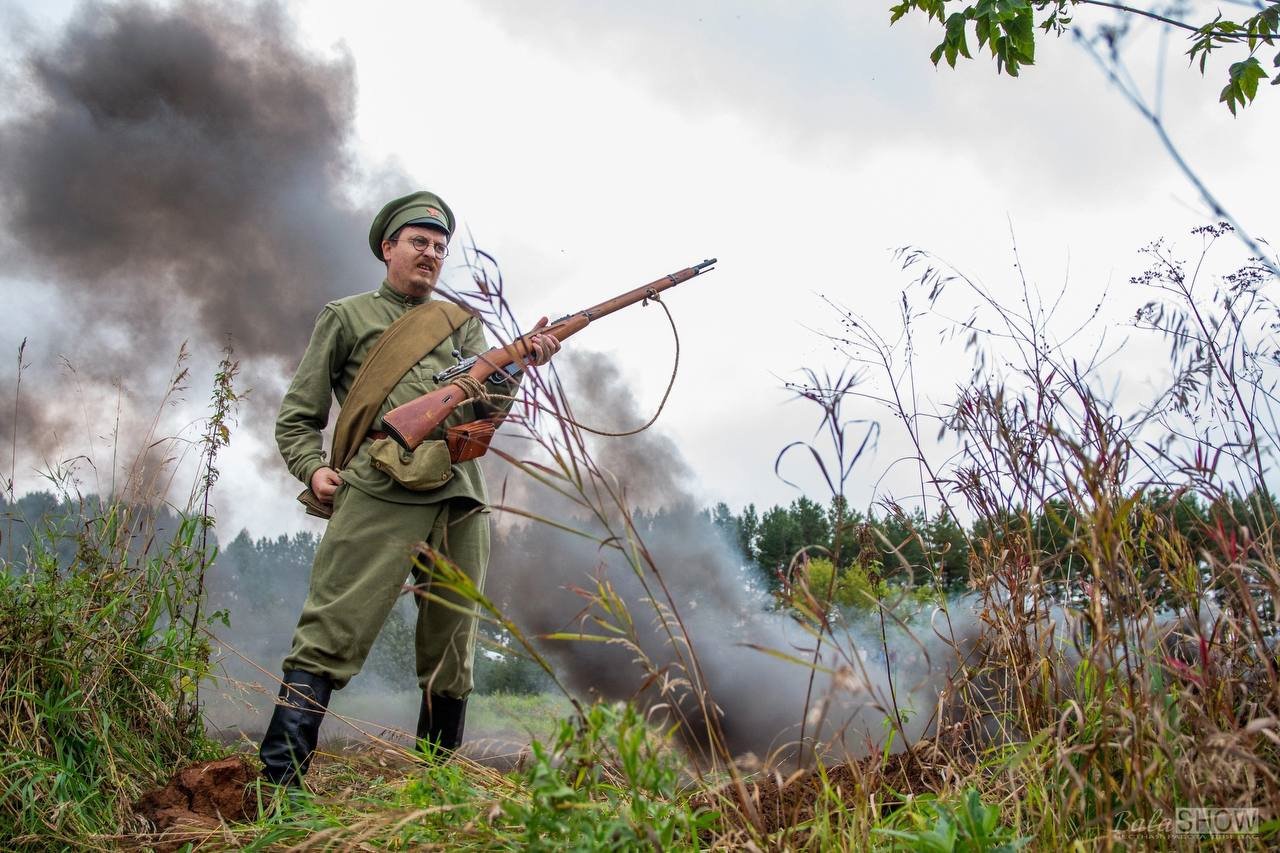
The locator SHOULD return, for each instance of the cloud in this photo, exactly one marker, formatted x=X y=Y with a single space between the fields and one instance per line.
x=834 y=80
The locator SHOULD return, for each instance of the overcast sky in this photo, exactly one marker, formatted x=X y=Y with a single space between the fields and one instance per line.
x=593 y=146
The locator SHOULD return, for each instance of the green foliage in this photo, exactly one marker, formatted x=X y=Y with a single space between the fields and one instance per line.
x=1242 y=76
x=1242 y=83
x=854 y=586
x=911 y=548
x=920 y=550
x=96 y=684
x=740 y=531
x=972 y=827
x=253 y=574
x=862 y=588
x=1007 y=28
x=536 y=715
x=510 y=674
x=786 y=531
x=103 y=645
x=607 y=783
x=44 y=525
x=913 y=555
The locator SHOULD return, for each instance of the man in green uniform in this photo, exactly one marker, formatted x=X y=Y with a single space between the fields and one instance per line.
x=366 y=553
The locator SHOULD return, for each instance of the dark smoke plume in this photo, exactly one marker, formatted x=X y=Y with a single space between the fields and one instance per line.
x=177 y=174
x=763 y=698
x=648 y=465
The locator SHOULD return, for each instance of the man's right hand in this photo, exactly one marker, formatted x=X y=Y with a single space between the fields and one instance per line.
x=324 y=482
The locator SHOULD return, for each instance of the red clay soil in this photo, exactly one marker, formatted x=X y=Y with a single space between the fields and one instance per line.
x=201 y=796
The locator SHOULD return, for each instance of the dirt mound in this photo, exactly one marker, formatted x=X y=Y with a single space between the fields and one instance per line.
x=783 y=802
x=201 y=795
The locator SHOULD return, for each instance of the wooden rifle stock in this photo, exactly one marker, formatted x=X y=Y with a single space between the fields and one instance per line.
x=411 y=423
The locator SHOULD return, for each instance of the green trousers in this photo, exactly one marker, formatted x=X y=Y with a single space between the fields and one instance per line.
x=361 y=567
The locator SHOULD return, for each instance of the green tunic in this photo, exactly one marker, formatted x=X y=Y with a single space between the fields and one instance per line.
x=344 y=333
x=366 y=552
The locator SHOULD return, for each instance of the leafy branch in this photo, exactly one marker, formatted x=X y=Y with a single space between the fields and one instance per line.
x=1007 y=29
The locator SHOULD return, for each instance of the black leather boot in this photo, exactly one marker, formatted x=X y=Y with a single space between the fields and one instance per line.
x=295 y=727
x=441 y=720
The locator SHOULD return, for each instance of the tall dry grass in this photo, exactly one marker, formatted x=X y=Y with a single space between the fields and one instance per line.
x=1117 y=658
x=101 y=654
x=1127 y=665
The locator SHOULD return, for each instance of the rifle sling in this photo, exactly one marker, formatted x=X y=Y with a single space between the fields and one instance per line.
x=402 y=345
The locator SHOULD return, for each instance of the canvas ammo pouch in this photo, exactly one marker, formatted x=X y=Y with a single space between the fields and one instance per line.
x=425 y=468
x=402 y=345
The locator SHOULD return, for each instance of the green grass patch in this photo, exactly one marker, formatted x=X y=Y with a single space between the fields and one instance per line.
x=96 y=686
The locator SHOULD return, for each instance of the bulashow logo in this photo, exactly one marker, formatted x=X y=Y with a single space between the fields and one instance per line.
x=1208 y=820
x=1197 y=820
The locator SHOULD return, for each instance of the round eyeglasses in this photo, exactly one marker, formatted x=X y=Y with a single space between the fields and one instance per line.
x=422 y=244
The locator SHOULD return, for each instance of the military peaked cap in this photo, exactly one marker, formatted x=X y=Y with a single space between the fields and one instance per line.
x=421 y=208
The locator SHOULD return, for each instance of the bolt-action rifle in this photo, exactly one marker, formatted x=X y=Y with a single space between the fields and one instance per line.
x=411 y=423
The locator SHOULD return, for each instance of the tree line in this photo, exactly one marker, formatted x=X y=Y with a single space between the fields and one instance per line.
x=256 y=580
x=913 y=549
x=910 y=545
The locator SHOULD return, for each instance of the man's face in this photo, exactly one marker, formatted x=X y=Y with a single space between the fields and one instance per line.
x=409 y=271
